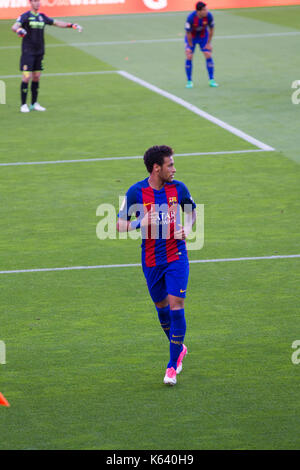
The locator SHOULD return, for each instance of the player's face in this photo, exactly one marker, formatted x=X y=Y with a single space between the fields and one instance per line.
x=35 y=4
x=167 y=170
x=202 y=13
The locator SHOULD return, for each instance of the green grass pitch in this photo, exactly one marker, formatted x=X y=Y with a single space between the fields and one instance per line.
x=85 y=355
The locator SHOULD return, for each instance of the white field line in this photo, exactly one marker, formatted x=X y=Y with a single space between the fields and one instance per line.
x=163 y=40
x=100 y=159
x=260 y=145
x=171 y=97
x=111 y=266
x=65 y=74
x=198 y=111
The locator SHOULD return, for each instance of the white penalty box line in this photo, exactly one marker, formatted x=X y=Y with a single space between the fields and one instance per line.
x=261 y=146
x=134 y=265
x=194 y=109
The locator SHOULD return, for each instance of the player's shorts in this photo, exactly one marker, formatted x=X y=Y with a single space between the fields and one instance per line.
x=171 y=278
x=31 y=62
x=201 y=41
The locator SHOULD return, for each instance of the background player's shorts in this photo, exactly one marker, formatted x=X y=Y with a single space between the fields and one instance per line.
x=171 y=278
x=201 y=41
x=31 y=62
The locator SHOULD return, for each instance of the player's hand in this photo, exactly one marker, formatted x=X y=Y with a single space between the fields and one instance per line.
x=180 y=234
x=21 y=32
x=78 y=27
x=150 y=218
x=208 y=46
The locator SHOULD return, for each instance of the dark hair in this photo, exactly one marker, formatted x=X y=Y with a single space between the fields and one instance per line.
x=156 y=154
x=200 y=5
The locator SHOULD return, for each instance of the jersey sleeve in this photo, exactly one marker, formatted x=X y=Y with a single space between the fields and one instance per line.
x=186 y=201
x=126 y=209
x=48 y=20
x=210 y=18
x=189 y=23
x=22 y=19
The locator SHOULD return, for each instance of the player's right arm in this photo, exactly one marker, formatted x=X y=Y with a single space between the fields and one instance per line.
x=189 y=39
x=150 y=218
x=124 y=223
x=130 y=207
x=188 y=30
x=18 y=27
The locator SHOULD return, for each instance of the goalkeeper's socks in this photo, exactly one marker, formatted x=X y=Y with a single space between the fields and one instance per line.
x=210 y=68
x=34 y=91
x=164 y=319
x=177 y=333
x=188 y=69
x=24 y=91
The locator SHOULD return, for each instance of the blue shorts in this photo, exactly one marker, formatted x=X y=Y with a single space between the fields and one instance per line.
x=171 y=278
x=201 y=41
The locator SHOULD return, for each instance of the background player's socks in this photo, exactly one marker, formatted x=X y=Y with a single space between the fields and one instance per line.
x=34 y=91
x=164 y=318
x=188 y=69
x=24 y=91
x=177 y=333
x=210 y=68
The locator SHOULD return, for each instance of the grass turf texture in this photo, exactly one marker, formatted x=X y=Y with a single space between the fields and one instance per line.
x=85 y=353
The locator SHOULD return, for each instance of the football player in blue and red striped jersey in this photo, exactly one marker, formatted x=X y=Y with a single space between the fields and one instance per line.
x=199 y=29
x=155 y=202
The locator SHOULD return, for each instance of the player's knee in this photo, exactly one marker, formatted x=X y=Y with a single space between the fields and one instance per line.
x=26 y=77
x=189 y=55
x=36 y=77
x=176 y=303
x=163 y=303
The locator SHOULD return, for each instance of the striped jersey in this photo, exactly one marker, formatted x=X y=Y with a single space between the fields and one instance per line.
x=198 y=26
x=158 y=243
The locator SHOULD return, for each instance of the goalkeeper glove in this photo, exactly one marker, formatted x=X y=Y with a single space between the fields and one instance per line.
x=78 y=27
x=21 y=32
x=75 y=26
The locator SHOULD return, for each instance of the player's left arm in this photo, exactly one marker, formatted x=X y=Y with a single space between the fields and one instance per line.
x=211 y=30
x=183 y=231
x=63 y=24
x=210 y=36
x=189 y=207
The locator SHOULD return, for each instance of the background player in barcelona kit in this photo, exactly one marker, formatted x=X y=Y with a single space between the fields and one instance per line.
x=30 y=26
x=199 y=29
x=156 y=201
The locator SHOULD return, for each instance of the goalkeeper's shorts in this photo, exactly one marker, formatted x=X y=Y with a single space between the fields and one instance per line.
x=31 y=62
